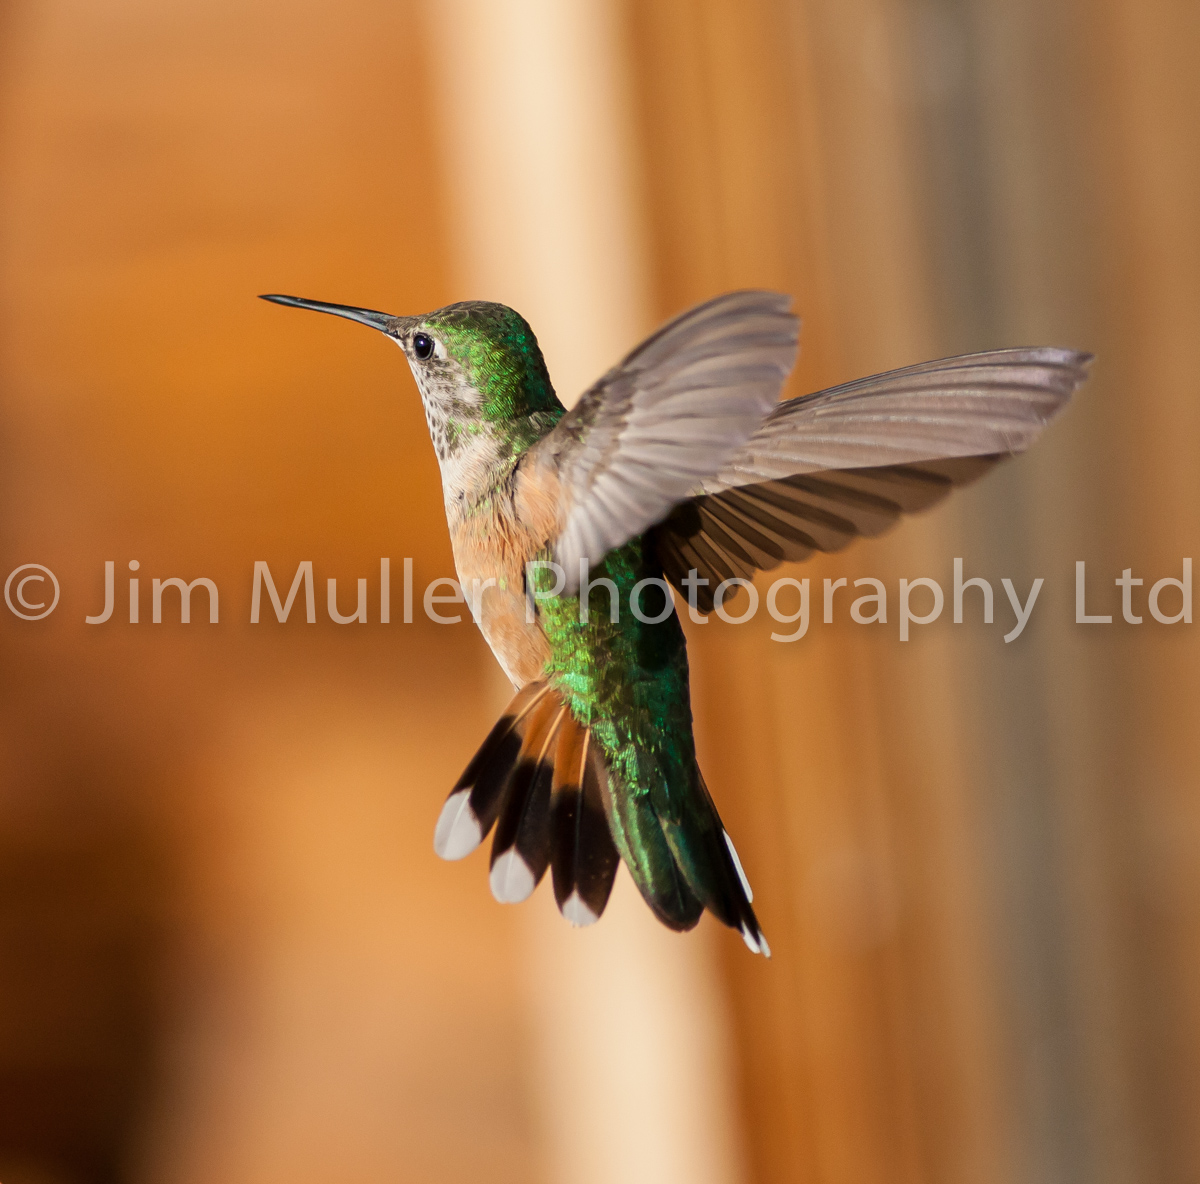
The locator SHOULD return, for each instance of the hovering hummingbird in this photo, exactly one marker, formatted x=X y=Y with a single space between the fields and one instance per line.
x=680 y=464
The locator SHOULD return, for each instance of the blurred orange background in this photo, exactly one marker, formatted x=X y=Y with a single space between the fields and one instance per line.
x=227 y=950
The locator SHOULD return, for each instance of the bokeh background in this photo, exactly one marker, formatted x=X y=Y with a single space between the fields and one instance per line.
x=227 y=951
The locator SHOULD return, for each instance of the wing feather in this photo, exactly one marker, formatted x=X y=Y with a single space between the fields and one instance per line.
x=685 y=436
x=664 y=420
x=850 y=461
x=984 y=404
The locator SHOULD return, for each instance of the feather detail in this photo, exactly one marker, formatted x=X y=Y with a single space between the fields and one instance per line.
x=638 y=832
x=474 y=802
x=583 y=858
x=972 y=405
x=521 y=847
x=666 y=419
x=826 y=468
x=756 y=527
x=538 y=779
x=709 y=861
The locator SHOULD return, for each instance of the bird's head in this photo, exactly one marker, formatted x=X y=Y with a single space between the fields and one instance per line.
x=477 y=365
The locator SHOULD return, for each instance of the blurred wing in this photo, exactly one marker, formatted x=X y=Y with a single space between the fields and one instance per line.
x=667 y=418
x=974 y=405
x=829 y=467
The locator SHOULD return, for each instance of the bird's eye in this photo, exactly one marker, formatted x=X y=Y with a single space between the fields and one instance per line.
x=422 y=345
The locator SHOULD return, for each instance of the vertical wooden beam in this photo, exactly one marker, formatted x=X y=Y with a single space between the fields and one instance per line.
x=627 y=1021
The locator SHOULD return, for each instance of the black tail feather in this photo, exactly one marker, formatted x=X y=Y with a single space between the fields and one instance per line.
x=475 y=802
x=521 y=848
x=584 y=858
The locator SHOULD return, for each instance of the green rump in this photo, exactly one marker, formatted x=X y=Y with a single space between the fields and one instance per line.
x=628 y=681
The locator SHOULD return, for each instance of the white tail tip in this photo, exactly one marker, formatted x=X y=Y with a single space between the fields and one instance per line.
x=577 y=912
x=756 y=944
x=511 y=878
x=458 y=832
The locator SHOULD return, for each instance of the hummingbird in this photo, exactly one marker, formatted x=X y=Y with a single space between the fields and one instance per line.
x=679 y=468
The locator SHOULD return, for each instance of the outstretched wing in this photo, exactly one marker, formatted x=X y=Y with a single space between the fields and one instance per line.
x=849 y=461
x=666 y=419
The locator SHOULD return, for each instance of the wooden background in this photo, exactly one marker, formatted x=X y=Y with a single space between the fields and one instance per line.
x=227 y=951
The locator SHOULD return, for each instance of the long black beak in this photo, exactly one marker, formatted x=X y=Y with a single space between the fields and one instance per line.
x=364 y=316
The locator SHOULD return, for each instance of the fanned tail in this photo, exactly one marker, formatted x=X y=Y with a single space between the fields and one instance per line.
x=538 y=779
x=541 y=780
